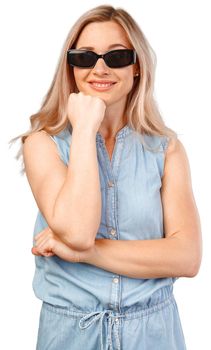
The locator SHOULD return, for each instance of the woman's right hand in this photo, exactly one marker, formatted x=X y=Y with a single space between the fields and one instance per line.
x=85 y=111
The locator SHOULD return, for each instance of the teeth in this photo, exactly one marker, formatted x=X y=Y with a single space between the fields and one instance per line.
x=102 y=85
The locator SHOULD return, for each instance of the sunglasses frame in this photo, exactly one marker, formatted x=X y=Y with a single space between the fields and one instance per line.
x=100 y=56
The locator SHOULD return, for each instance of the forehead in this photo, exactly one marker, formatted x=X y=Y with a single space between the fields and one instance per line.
x=105 y=34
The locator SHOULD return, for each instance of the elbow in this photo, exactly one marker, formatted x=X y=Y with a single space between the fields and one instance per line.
x=192 y=259
x=191 y=273
x=193 y=268
x=82 y=246
x=74 y=240
x=77 y=244
x=194 y=271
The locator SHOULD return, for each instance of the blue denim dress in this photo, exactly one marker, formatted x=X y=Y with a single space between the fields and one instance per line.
x=86 y=307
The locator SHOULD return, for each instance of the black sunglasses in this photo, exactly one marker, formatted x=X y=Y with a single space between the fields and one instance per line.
x=113 y=59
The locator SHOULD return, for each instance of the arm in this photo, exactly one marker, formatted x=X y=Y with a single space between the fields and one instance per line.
x=68 y=197
x=179 y=252
x=78 y=204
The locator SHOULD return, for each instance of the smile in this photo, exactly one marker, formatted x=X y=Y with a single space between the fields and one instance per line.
x=101 y=86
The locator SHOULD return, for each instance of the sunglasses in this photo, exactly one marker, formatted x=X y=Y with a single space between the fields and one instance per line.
x=113 y=59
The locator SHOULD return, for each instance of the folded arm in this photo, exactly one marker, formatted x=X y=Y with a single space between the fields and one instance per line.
x=179 y=252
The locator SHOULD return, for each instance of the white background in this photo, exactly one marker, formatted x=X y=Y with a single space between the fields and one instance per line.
x=32 y=35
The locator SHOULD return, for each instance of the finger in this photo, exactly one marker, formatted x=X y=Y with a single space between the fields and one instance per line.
x=35 y=252
x=41 y=250
x=45 y=246
x=39 y=235
x=47 y=254
x=40 y=240
x=42 y=237
x=43 y=232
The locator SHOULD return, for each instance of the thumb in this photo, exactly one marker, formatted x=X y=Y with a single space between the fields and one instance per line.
x=35 y=252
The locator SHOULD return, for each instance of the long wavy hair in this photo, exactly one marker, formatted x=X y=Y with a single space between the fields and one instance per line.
x=141 y=108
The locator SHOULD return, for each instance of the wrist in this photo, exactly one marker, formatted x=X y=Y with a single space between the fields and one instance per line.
x=85 y=131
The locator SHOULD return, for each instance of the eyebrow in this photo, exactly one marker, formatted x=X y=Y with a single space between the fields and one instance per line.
x=110 y=47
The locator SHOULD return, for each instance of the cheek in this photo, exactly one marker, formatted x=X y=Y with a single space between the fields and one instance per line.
x=127 y=75
x=128 y=81
x=78 y=75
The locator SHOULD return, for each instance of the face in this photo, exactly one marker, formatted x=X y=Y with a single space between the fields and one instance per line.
x=100 y=38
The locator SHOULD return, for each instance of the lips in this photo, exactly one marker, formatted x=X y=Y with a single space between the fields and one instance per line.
x=101 y=85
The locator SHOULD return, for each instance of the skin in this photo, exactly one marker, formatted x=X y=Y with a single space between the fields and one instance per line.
x=179 y=252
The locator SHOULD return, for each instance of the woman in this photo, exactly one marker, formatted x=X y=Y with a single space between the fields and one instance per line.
x=117 y=221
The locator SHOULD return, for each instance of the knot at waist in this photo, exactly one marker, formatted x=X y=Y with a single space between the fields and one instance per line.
x=113 y=321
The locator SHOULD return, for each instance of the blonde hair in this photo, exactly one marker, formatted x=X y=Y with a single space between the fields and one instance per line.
x=141 y=109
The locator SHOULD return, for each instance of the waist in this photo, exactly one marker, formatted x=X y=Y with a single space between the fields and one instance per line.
x=85 y=287
x=131 y=313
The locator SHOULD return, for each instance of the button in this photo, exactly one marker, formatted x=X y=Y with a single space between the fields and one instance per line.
x=113 y=232
x=116 y=320
x=115 y=280
x=110 y=184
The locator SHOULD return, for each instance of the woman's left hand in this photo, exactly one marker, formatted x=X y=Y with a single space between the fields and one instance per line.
x=47 y=244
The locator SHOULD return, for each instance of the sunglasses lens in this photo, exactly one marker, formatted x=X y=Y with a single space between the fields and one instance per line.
x=119 y=58
x=81 y=59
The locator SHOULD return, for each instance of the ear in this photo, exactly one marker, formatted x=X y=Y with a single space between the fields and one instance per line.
x=136 y=72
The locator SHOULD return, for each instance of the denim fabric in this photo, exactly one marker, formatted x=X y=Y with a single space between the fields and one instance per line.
x=156 y=326
x=131 y=313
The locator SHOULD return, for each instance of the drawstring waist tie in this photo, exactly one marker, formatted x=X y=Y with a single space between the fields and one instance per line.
x=113 y=322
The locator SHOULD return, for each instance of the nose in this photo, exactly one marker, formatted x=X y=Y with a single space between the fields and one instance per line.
x=100 y=67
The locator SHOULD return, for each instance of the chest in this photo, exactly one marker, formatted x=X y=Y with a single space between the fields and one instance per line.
x=132 y=204
x=110 y=148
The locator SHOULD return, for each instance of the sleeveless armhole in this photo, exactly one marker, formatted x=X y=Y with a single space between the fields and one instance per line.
x=164 y=143
x=62 y=141
x=161 y=144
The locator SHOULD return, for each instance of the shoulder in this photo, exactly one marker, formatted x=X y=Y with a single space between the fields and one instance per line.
x=175 y=150
x=41 y=143
x=176 y=161
x=39 y=147
x=37 y=140
x=174 y=145
x=36 y=136
x=39 y=137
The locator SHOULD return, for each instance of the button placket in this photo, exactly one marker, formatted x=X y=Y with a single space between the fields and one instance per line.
x=116 y=280
x=113 y=232
x=110 y=183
